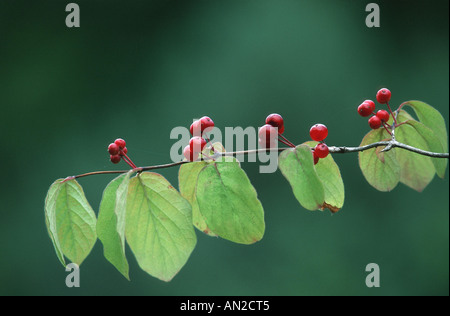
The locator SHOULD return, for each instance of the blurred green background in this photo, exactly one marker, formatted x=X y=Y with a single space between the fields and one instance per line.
x=136 y=69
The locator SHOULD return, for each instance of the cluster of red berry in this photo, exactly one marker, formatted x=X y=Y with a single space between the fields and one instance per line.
x=367 y=108
x=273 y=128
x=118 y=151
x=198 y=129
x=319 y=132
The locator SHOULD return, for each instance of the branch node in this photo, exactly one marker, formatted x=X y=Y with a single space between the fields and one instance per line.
x=388 y=147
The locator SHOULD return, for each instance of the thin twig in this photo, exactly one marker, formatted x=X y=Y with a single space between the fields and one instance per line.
x=389 y=145
x=333 y=150
x=345 y=149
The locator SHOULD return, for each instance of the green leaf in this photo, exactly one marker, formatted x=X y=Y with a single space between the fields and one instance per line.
x=381 y=169
x=229 y=202
x=187 y=178
x=158 y=227
x=297 y=166
x=432 y=119
x=432 y=141
x=433 y=144
x=417 y=171
x=111 y=222
x=50 y=218
x=329 y=174
x=70 y=221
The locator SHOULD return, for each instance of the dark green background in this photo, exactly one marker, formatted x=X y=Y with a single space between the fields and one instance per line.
x=136 y=69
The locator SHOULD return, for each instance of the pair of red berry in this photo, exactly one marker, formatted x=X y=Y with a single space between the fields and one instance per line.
x=319 y=132
x=197 y=142
x=273 y=128
x=118 y=151
x=367 y=108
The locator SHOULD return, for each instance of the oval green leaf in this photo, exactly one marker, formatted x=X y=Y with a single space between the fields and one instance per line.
x=432 y=119
x=158 y=226
x=111 y=222
x=70 y=221
x=229 y=203
x=187 y=179
x=417 y=171
x=433 y=144
x=297 y=166
x=329 y=174
x=381 y=169
x=50 y=218
x=432 y=141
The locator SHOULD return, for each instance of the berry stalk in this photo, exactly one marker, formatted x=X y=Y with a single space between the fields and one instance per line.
x=128 y=161
x=285 y=139
x=386 y=128
x=287 y=143
x=390 y=111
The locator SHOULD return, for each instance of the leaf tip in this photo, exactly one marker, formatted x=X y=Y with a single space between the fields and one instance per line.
x=333 y=209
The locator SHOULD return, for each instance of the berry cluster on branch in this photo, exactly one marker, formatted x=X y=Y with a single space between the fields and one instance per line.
x=212 y=185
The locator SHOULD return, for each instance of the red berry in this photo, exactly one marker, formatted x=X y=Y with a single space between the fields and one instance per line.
x=113 y=149
x=318 y=132
x=375 y=122
x=321 y=150
x=383 y=95
x=124 y=150
x=115 y=158
x=366 y=108
x=188 y=154
x=120 y=142
x=196 y=129
x=383 y=115
x=206 y=124
x=276 y=121
x=316 y=158
x=267 y=133
x=371 y=104
x=196 y=144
